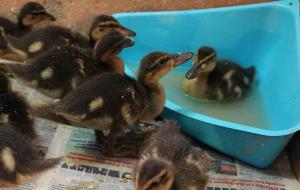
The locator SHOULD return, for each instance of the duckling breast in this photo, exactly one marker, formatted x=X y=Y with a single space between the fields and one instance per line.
x=196 y=88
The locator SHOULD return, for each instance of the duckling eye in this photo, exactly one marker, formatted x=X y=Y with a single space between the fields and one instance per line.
x=153 y=185
x=161 y=62
x=32 y=16
x=158 y=63
x=112 y=25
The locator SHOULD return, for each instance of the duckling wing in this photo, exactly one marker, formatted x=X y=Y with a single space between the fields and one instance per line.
x=9 y=27
x=231 y=80
x=44 y=39
x=59 y=70
x=109 y=94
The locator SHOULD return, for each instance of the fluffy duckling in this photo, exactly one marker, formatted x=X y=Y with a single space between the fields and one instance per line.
x=14 y=110
x=20 y=163
x=31 y=14
x=113 y=101
x=60 y=70
x=43 y=40
x=169 y=162
x=209 y=79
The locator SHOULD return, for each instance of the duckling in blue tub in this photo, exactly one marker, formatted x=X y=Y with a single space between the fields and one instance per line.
x=209 y=79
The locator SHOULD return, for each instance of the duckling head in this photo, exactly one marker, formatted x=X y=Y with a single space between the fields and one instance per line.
x=107 y=50
x=5 y=85
x=154 y=174
x=104 y=24
x=157 y=64
x=204 y=61
x=33 y=13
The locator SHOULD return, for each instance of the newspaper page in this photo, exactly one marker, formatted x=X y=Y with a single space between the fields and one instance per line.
x=85 y=168
x=225 y=173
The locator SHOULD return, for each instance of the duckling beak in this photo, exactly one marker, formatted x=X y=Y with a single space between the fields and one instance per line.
x=181 y=58
x=49 y=16
x=192 y=73
x=125 y=43
x=128 y=42
x=126 y=32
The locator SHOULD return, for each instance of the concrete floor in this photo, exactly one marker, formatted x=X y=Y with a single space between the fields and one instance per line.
x=79 y=13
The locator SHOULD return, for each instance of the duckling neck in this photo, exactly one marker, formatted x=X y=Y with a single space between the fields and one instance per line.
x=116 y=64
x=156 y=96
x=22 y=26
x=203 y=76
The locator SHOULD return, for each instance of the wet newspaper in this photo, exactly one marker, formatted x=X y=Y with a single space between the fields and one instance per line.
x=85 y=168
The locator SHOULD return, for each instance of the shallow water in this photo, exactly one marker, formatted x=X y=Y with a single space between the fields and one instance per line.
x=248 y=111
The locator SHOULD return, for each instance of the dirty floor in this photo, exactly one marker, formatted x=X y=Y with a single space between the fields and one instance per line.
x=79 y=13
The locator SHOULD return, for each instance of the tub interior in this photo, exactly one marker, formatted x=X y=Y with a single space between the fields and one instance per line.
x=263 y=36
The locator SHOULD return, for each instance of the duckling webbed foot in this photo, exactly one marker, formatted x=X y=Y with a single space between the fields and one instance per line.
x=112 y=137
x=100 y=137
x=129 y=142
x=126 y=150
x=117 y=145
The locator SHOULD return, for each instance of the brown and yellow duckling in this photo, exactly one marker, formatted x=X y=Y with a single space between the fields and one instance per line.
x=61 y=70
x=43 y=40
x=31 y=14
x=14 y=110
x=20 y=163
x=113 y=101
x=169 y=162
x=209 y=79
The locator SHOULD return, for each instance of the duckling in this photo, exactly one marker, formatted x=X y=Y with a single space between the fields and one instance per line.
x=169 y=162
x=43 y=40
x=14 y=110
x=209 y=79
x=20 y=163
x=31 y=14
x=113 y=101
x=60 y=70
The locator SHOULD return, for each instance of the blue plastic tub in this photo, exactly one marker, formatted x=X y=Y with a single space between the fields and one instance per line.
x=257 y=128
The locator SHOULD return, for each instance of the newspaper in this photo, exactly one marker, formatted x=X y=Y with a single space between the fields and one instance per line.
x=84 y=166
x=228 y=173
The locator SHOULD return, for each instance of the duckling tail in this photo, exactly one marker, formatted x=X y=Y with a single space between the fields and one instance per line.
x=19 y=71
x=7 y=49
x=9 y=66
x=3 y=42
x=32 y=170
x=250 y=72
x=45 y=110
x=37 y=166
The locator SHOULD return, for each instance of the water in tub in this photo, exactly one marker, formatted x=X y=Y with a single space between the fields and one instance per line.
x=248 y=111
